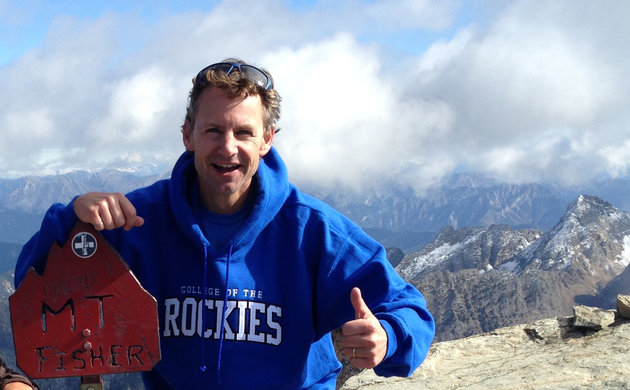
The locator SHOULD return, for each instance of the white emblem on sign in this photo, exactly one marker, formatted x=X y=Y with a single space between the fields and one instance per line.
x=84 y=245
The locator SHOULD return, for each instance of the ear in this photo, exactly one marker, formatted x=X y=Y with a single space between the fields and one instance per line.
x=187 y=136
x=267 y=141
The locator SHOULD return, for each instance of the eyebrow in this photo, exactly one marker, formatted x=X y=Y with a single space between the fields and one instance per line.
x=242 y=126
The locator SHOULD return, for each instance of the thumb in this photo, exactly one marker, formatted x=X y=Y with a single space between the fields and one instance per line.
x=139 y=221
x=361 y=310
x=135 y=222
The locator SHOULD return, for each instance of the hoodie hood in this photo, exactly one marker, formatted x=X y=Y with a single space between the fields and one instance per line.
x=271 y=192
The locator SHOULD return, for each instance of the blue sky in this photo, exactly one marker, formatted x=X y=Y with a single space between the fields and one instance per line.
x=409 y=90
x=26 y=23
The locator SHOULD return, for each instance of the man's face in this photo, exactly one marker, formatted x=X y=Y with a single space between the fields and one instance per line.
x=228 y=141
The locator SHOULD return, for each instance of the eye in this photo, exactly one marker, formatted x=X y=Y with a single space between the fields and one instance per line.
x=212 y=130
x=245 y=133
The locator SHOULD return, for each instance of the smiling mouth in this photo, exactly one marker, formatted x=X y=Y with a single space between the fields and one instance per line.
x=225 y=168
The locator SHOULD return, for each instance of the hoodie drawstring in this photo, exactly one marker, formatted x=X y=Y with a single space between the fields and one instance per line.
x=203 y=316
x=225 y=299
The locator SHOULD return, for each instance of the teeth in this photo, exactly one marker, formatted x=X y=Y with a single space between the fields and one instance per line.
x=225 y=166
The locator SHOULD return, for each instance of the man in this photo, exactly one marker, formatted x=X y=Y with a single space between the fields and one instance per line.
x=11 y=380
x=250 y=274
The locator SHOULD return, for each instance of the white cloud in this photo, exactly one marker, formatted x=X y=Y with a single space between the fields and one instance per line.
x=345 y=123
x=617 y=158
x=136 y=105
x=535 y=91
x=532 y=93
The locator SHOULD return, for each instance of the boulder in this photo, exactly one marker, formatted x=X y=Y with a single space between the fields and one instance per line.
x=623 y=306
x=592 y=317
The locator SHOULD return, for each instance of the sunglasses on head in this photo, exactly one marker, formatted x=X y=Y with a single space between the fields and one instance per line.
x=249 y=72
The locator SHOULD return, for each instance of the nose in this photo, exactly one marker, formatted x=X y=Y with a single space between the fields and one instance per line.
x=228 y=143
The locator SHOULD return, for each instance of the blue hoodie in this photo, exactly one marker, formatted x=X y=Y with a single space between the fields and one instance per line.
x=282 y=283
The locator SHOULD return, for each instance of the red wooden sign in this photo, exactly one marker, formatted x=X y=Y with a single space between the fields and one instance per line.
x=86 y=315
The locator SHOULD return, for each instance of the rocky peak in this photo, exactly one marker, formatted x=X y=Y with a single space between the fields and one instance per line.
x=591 y=238
x=585 y=351
x=588 y=208
x=481 y=278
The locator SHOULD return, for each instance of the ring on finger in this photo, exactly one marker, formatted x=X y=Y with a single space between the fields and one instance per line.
x=354 y=352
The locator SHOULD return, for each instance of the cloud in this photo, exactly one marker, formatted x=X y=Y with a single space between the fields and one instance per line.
x=345 y=123
x=385 y=16
x=532 y=91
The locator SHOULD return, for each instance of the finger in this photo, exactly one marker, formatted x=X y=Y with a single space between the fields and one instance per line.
x=365 y=363
x=86 y=212
x=131 y=218
x=360 y=357
x=116 y=207
x=352 y=352
x=98 y=223
x=138 y=222
x=361 y=310
x=105 y=216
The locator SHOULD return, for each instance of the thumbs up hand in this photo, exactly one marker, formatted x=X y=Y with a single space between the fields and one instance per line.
x=364 y=339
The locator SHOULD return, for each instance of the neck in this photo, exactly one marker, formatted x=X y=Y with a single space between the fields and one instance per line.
x=225 y=203
x=223 y=206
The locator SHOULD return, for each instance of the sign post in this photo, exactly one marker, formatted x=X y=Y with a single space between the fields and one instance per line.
x=86 y=316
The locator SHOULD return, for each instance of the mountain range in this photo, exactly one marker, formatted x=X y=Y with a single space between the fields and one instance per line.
x=394 y=215
x=476 y=279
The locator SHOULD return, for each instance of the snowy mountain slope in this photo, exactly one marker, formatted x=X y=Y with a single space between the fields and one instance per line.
x=482 y=248
x=592 y=234
x=478 y=278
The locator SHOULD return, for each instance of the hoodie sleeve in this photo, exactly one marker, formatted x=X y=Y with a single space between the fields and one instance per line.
x=359 y=261
x=56 y=226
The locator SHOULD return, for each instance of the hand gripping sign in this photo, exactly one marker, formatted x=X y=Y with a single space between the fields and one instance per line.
x=87 y=314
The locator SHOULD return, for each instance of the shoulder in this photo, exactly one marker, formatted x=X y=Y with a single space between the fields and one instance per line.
x=152 y=194
x=163 y=190
x=309 y=209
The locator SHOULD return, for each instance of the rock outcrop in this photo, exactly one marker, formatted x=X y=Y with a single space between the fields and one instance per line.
x=546 y=354
x=476 y=279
